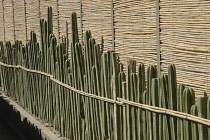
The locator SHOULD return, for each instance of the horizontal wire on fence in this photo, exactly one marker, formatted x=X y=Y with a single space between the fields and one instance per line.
x=119 y=101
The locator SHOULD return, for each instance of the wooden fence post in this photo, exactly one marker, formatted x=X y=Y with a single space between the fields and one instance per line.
x=158 y=36
x=13 y=16
x=81 y=26
x=115 y=94
x=112 y=19
x=25 y=19
x=58 y=35
x=3 y=19
x=39 y=16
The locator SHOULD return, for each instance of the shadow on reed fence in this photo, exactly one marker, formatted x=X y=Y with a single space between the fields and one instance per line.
x=89 y=96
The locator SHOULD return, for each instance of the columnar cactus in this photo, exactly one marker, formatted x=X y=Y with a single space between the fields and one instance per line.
x=188 y=102
x=180 y=91
x=151 y=73
x=164 y=129
x=202 y=112
x=141 y=87
x=194 y=126
x=172 y=98
x=155 y=102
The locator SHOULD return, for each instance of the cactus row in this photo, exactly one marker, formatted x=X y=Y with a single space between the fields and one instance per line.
x=91 y=70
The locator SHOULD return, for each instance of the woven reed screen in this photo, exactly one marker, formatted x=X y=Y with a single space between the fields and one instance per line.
x=185 y=41
x=135 y=30
x=1 y=22
x=8 y=20
x=19 y=20
x=131 y=29
x=97 y=18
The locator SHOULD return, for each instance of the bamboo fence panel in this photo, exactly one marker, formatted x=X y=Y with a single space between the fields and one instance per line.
x=185 y=41
x=1 y=22
x=8 y=20
x=97 y=18
x=135 y=31
x=19 y=18
x=32 y=18
x=184 y=34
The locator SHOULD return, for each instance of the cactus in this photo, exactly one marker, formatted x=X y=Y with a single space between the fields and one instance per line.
x=194 y=126
x=202 y=112
x=130 y=69
x=74 y=28
x=133 y=94
x=143 y=116
x=141 y=82
x=115 y=93
x=141 y=86
x=164 y=129
x=151 y=73
x=172 y=98
x=188 y=98
x=180 y=91
x=125 y=128
x=155 y=102
x=121 y=90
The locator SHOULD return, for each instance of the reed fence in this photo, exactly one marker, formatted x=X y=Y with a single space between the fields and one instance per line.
x=91 y=96
x=162 y=31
